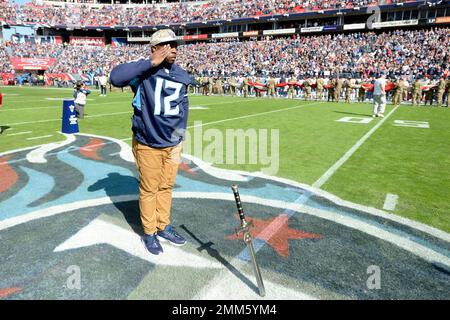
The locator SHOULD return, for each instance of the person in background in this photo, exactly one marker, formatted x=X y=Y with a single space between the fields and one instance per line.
x=103 y=81
x=379 y=96
x=80 y=95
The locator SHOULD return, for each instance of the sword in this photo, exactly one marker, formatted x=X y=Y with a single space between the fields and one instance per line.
x=245 y=229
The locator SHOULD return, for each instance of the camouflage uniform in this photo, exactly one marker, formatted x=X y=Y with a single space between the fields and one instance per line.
x=245 y=87
x=338 y=90
x=271 y=83
x=307 y=89
x=205 y=82
x=258 y=91
x=232 y=86
x=440 y=92
x=291 y=88
x=448 y=92
x=219 y=86
x=417 y=93
x=331 y=90
x=362 y=92
x=398 y=94
x=210 y=86
x=319 y=89
x=348 y=90
x=429 y=94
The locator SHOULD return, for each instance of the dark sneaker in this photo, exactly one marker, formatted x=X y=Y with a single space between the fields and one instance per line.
x=169 y=234
x=152 y=244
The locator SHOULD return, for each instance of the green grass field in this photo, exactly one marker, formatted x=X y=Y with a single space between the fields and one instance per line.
x=412 y=163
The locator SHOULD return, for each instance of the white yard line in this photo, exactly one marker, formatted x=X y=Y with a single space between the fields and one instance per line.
x=245 y=117
x=390 y=202
x=93 y=105
x=35 y=88
x=19 y=133
x=54 y=107
x=59 y=119
x=253 y=115
x=40 y=137
x=327 y=175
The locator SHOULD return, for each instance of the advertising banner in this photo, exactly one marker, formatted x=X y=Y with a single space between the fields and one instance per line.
x=87 y=41
x=32 y=63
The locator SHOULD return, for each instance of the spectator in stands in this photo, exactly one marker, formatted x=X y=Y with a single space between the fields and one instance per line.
x=402 y=53
x=120 y=15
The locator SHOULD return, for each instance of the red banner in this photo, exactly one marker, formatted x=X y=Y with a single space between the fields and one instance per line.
x=58 y=76
x=370 y=86
x=32 y=63
x=196 y=37
x=87 y=41
x=6 y=78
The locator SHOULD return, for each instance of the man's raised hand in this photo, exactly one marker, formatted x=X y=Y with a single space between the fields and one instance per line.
x=160 y=54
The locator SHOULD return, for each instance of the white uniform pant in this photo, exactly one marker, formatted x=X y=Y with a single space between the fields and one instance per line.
x=379 y=104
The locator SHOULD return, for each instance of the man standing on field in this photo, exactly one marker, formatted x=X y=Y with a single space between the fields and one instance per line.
x=379 y=96
x=161 y=108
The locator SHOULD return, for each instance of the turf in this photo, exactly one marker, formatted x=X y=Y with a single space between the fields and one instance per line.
x=409 y=162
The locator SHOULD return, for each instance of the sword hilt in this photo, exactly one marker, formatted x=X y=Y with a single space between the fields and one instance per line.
x=245 y=225
x=237 y=198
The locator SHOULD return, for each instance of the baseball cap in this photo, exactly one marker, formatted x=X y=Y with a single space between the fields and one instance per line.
x=163 y=35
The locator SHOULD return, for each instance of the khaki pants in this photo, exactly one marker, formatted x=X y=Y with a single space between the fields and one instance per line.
x=337 y=94
x=319 y=94
x=379 y=104
x=245 y=91
x=397 y=99
x=157 y=172
x=440 y=98
x=417 y=98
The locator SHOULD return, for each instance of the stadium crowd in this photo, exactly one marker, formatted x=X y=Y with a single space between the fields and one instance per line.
x=399 y=52
x=359 y=54
x=356 y=58
x=119 y=15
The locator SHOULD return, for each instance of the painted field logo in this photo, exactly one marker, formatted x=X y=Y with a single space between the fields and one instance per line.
x=76 y=202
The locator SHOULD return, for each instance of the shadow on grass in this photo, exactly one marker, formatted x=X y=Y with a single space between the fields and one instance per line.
x=3 y=129
x=116 y=185
x=354 y=114
x=216 y=255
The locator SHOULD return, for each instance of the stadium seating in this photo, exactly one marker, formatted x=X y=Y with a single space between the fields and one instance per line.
x=150 y=15
x=400 y=52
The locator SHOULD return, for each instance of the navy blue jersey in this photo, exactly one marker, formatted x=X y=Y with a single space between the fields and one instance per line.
x=160 y=101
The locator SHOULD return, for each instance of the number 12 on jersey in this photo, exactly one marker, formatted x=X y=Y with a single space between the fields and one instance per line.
x=167 y=84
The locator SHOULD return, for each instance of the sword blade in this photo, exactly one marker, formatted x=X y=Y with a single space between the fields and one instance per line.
x=248 y=240
x=259 y=280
